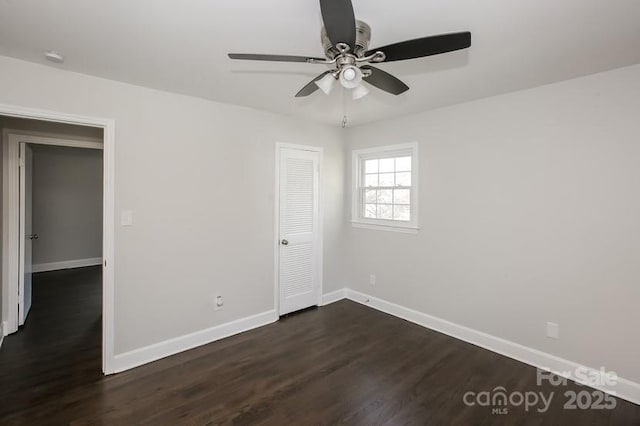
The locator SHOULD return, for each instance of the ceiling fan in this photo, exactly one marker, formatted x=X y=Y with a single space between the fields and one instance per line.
x=346 y=46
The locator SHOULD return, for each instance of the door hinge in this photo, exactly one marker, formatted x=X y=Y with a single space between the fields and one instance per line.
x=21 y=162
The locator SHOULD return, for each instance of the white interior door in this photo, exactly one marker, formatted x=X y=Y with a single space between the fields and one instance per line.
x=26 y=232
x=299 y=248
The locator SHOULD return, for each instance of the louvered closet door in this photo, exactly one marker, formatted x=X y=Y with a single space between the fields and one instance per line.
x=299 y=244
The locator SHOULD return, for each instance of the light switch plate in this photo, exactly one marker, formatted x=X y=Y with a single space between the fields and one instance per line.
x=126 y=218
x=553 y=330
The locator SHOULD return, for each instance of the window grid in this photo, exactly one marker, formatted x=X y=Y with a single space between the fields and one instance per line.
x=385 y=191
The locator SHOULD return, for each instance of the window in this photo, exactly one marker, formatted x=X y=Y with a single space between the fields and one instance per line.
x=385 y=188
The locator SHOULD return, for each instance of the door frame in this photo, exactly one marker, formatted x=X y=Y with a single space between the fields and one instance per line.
x=276 y=262
x=10 y=214
x=22 y=267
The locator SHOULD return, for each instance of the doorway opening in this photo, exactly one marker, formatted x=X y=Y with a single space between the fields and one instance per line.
x=57 y=233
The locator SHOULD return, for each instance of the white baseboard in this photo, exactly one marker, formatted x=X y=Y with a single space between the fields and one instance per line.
x=173 y=346
x=176 y=345
x=334 y=296
x=625 y=389
x=66 y=264
x=2 y=328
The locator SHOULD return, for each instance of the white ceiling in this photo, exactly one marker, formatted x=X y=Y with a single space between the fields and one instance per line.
x=181 y=46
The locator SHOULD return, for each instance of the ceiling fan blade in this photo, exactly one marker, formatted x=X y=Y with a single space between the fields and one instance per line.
x=385 y=81
x=311 y=87
x=425 y=46
x=276 y=58
x=339 y=21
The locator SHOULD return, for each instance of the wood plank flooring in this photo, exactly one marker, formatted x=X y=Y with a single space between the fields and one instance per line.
x=339 y=364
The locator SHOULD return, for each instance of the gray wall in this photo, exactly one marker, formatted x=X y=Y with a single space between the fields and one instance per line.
x=200 y=179
x=67 y=203
x=529 y=212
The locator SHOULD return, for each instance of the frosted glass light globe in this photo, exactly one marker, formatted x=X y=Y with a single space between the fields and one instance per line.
x=349 y=74
x=350 y=77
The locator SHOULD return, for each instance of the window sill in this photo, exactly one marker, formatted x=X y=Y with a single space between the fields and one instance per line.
x=405 y=229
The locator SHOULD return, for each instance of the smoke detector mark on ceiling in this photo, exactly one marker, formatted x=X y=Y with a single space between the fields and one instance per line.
x=54 y=57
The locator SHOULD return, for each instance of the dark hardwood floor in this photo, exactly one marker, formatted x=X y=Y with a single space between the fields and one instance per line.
x=60 y=346
x=343 y=363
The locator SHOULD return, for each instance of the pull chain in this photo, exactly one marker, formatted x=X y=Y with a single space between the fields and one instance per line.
x=344 y=108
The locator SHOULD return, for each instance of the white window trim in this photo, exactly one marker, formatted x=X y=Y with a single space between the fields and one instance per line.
x=357 y=220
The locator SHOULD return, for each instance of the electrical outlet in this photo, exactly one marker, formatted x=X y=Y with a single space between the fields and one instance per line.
x=372 y=279
x=553 y=330
x=218 y=303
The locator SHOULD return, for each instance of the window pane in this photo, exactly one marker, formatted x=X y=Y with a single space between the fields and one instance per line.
x=401 y=196
x=403 y=164
x=385 y=196
x=371 y=180
x=403 y=179
x=370 y=196
x=386 y=165
x=386 y=179
x=401 y=213
x=371 y=166
x=385 y=211
x=370 y=211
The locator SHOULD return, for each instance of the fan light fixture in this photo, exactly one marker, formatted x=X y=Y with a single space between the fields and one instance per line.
x=350 y=77
x=326 y=83
x=359 y=92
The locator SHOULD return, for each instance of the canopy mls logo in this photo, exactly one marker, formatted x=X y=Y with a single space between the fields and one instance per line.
x=499 y=400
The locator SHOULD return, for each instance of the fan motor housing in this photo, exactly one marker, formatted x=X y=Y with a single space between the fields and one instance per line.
x=363 y=36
